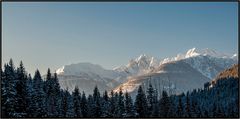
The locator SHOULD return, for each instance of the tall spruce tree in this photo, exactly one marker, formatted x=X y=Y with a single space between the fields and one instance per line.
x=105 y=105
x=112 y=104
x=97 y=104
x=150 y=99
x=76 y=102
x=187 y=106
x=83 y=104
x=38 y=96
x=21 y=88
x=9 y=101
x=179 y=107
x=120 y=102
x=141 y=103
x=164 y=105
x=90 y=105
x=129 y=107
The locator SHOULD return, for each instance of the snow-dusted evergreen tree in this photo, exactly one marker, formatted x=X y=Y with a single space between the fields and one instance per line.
x=29 y=97
x=129 y=107
x=48 y=88
x=155 y=112
x=105 y=105
x=90 y=105
x=66 y=104
x=9 y=93
x=97 y=104
x=180 y=107
x=164 y=105
x=76 y=103
x=70 y=112
x=187 y=106
x=112 y=101
x=120 y=103
x=53 y=99
x=84 y=106
x=150 y=100
x=172 y=109
x=141 y=103
x=38 y=96
x=21 y=88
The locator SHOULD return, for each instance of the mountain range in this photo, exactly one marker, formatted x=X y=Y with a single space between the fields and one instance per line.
x=177 y=74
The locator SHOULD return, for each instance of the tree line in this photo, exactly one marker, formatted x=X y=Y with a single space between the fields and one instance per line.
x=24 y=96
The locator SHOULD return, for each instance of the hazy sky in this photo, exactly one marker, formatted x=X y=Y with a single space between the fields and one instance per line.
x=52 y=34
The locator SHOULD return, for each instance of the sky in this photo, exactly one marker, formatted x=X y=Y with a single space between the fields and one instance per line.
x=52 y=34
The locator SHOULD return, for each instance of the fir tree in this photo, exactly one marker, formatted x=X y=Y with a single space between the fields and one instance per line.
x=91 y=105
x=187 y=106
x=129 y=108
x=76 y=103
x=150 y=99
x=164 y=104
x=141 y=103
x=105 y=105
x=120 y=106
x=179 y=107
x=112 y=104
x=38 y=96
x=21 y=90
x=97 y=106
x=83 y=105
x=9 y=101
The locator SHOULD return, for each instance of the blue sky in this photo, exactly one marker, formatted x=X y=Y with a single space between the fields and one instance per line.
x=52 y=34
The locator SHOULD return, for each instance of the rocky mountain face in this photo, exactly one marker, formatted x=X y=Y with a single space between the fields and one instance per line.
x=178 y=74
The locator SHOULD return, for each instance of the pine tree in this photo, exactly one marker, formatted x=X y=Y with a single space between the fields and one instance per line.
x=90 y=105
x=38 y=96
x=29 y=97
x=115 y=113
x=120 y=104
x=164 y=104
x=105 y=105
x=97 y=105
x=155 y=112
x=70 y=111
x=76 y=102
x=172 y=108
x=83 y=105
x=193 y=109
x=150 y=99
x=21 y=90
x=179 y=107
x=52 y=89
x=112 y=104
x=187 y=106
x=129 y=108
x=9 y=101
x=141 y=103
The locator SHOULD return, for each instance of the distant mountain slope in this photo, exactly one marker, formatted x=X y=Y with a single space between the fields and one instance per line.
x=204 y=63
x=176 y=77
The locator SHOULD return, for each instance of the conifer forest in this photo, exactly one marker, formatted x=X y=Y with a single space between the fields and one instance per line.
x=23 y=95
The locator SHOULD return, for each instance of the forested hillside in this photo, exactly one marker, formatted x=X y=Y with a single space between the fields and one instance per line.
x=25 y=96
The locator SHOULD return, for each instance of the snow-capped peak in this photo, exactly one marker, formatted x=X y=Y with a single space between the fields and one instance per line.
x=142 y=64
x=195 y=52
x=60 y=70
x=191 y=52
x=142 y=57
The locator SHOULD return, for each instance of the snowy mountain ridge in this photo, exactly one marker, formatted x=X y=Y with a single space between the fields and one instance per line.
x=194 y=52
x=207 y=62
